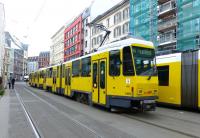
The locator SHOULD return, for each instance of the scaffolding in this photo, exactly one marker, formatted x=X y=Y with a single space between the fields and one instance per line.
x=188 y=35
x=143 y=19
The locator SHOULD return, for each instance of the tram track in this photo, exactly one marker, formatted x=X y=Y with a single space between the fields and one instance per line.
x=75 y=121
x=154 y=123
x=28 y=116
x=159 y=125
x=188 y=121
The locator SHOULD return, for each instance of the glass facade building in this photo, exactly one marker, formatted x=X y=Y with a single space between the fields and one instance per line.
x=143 y=19
x=188 y=36
x=173 y=25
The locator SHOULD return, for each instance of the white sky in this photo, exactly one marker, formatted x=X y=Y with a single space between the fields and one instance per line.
x=40 y=19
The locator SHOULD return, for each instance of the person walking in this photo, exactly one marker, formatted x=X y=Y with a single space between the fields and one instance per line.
x=9 y=83
x=13 y=82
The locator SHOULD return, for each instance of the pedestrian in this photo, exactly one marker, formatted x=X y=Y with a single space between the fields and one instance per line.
x=9 y=83
x=13 y=82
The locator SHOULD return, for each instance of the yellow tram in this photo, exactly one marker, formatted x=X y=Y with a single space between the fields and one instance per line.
x=119 y=74
x=179 y=79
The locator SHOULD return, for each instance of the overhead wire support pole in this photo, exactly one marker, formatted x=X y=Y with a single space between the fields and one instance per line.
x=103 y=28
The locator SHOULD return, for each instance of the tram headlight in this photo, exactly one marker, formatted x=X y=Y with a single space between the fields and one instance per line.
x=155 y=92
x=140 y=92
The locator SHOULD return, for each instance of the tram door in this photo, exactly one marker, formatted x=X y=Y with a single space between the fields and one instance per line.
x=54 y=81
x=44 y=80
x=60 y=79
x=99 y=81
x=38 y=78
x=68 y=81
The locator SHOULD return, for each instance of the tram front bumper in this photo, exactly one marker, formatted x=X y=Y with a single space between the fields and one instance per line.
x=140 y=103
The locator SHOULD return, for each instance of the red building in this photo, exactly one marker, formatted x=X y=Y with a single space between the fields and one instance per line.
x=73 y=40
x=44 y=58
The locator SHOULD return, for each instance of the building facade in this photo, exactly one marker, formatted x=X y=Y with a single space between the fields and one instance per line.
x=10 y=55
x=7 y=57
x=167 y=25
x=32 y=64
x=18 y=64
x=115 y=20
x=173 y=26
x=143 y=19
x=2 y=42
x=73 y=39
x=86 y=31
x=188 y=32
x=44 y=59
x=57 y=47
x=16 y=57
x=25 y=61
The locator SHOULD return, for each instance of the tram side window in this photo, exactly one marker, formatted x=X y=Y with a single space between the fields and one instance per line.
x=163 y=75
x=50 y=72
x=128 y=69
x=86 y=67
x=114 y=63
x=58 y=71
x=75 y=68
x=42 y=74
x=63 y=71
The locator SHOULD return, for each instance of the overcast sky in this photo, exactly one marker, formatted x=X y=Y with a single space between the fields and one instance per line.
x=35 y=21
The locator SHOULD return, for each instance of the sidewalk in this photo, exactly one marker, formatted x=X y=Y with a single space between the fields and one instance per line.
x=13 y=122
x=4 y=114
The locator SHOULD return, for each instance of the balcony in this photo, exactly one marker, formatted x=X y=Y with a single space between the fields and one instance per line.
x=166 y=9
x=167 y=38
x=166 y=25
x=162 y=1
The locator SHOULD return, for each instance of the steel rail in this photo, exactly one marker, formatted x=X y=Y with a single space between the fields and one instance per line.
x=66 y=115
x=34 y=128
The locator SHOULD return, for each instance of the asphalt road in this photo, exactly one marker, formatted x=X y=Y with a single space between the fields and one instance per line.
x=54 y=116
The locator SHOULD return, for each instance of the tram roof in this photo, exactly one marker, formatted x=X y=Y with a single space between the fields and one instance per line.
x=176 y=57
x=113 y=46
x=125 y=42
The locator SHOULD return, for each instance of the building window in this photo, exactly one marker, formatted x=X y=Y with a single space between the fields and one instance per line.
x=86 y=21
x=94 y=41
x=99 y=39
x=92 y=31
x=85 y=44
x=117 y=31
x=74 y=29
x=163 y=75
x=126 y=13
x=126 y=28
x=86 y=33
x=117 y=18
x=74 y=38
x=108 y=22
x=114 y=63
